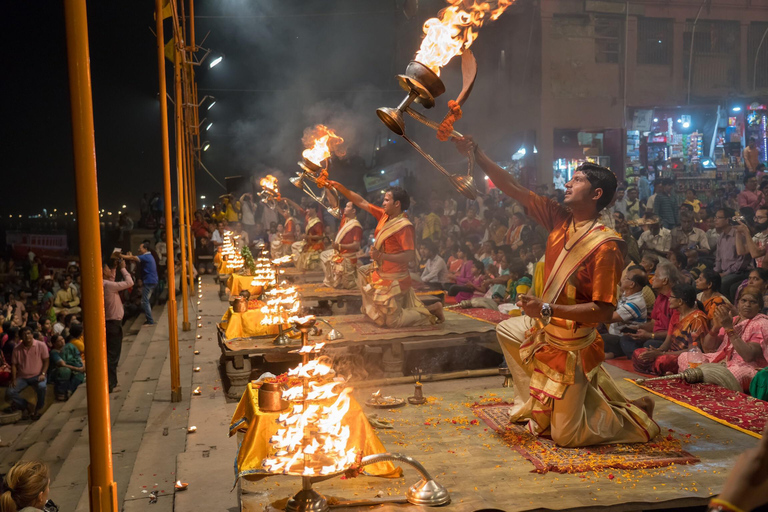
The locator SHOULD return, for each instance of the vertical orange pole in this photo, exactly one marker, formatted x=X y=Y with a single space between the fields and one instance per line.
x=173 y=332
x=181 y=190
x=102 y=487
x=192 y=25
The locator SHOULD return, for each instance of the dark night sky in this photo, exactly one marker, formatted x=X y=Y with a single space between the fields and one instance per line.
x=289 y=64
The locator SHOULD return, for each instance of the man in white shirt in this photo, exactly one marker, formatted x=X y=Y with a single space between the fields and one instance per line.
x=435 y=270
x=217 y=238
x=656 y=239
x=687 y=236
x=630 y=313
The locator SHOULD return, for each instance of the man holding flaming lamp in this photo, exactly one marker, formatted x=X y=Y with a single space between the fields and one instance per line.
x=306 y=253
x=385 y=285
x=554 y=352
x=340 y=262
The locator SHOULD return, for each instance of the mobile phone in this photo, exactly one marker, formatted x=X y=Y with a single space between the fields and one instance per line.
x=629 y=330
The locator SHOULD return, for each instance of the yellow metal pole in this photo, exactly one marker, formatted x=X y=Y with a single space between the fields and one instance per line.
x=187 y=221
x=181 y=189
x=173 y=333
x=102 y=488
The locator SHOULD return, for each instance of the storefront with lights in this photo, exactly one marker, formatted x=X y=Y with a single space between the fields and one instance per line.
x=697 y=146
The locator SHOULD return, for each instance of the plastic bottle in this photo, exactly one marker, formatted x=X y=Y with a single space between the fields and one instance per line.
x=695 y=356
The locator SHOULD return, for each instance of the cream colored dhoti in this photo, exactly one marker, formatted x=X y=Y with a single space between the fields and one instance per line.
x=304 y=260
x=279 y=249
x=590 y=412
x=387 y=305
x=338 y=274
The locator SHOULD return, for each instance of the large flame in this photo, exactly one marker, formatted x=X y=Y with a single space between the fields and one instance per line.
x=311 y=439
x=455 y=29
x=320 y=142
x=270 y=182
x=229 y=253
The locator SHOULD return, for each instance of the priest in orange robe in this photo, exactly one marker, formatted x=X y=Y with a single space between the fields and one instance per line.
x=340 y=262
x=554 y=352
x=385 y=284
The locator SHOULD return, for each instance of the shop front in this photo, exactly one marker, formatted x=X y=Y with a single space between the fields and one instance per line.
x=695 y=146
x=574 y=147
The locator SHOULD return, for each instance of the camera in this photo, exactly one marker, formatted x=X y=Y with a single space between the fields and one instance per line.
x=737 y=219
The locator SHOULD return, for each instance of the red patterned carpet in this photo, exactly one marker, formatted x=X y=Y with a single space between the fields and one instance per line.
x=732 y=408
x=486 y=315
x=546 y=456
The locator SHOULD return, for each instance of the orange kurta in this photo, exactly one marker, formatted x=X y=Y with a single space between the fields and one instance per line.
x=289 y=235
x=402 y=240
x=353 y=235
x=596 y=280
x=316 y=230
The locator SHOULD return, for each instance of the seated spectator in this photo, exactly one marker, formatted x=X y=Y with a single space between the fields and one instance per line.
x=435 y=270
x=708 y=286
x=67 y=368
x=519 y=281
x=690 y=326
x=26 y=487
x=204 y=254
x=732 y=266
x=758 y=278
x=657 y=239
x=649 y=261
x=630 y=312
x=741 y=342
x=59 y=325
x=687 y=236
x=654 y=332
x=29 y=365
x=457 y=263
x=467 y=286
x=67 y=299
x=76 y=337
x=679 y=260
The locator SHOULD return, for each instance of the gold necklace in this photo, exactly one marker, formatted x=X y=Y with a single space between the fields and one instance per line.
x=573 y=224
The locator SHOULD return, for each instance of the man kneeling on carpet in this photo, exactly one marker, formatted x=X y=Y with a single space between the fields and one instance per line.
x=340 y=262
x=741 y=342
x=555 y=352
x=385 y=284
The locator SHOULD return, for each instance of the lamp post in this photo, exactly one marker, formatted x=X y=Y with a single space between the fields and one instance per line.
x=102 y=493
x=173 y=333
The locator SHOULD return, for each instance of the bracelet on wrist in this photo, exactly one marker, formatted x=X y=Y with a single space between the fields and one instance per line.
x=720 y=505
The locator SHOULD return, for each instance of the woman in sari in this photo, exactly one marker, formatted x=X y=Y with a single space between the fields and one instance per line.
x=707 y=284
x=740 y=342
x=688 y=326
x=67 y=368
x=758 y=278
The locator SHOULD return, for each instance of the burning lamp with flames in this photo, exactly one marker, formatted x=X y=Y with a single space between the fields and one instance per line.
x=448 y=35
x=321 y=141
x=270 y=192
x=313 y=442
x=230 y=254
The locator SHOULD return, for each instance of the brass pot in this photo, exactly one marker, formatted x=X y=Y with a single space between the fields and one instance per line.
x=270 y=398
x=239 y=304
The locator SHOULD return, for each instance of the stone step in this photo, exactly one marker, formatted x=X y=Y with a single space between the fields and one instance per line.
x=60 y=448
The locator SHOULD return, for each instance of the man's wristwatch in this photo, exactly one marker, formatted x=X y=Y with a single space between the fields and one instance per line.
x=546 y=312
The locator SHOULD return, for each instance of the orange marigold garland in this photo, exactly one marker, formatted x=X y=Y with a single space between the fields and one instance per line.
x=322 y=179
x=446 y=127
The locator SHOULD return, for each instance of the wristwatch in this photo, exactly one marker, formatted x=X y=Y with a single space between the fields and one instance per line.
x=546 y=312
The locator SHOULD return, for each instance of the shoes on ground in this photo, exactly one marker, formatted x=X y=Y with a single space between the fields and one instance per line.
x=149 y=323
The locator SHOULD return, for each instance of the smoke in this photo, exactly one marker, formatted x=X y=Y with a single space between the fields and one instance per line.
x=302 y=70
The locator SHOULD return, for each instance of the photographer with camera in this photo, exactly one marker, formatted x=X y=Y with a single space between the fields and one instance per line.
x=732 y=266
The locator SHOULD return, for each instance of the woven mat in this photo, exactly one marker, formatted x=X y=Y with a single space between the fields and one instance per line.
x=484 y=314
x=361 y=326
x=732 y=408
x=546 y=456
x=319 y=291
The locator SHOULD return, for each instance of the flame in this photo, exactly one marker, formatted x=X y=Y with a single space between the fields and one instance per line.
x=455 y=29
x=269 y=182
x=320 y=142
x=229 y=253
